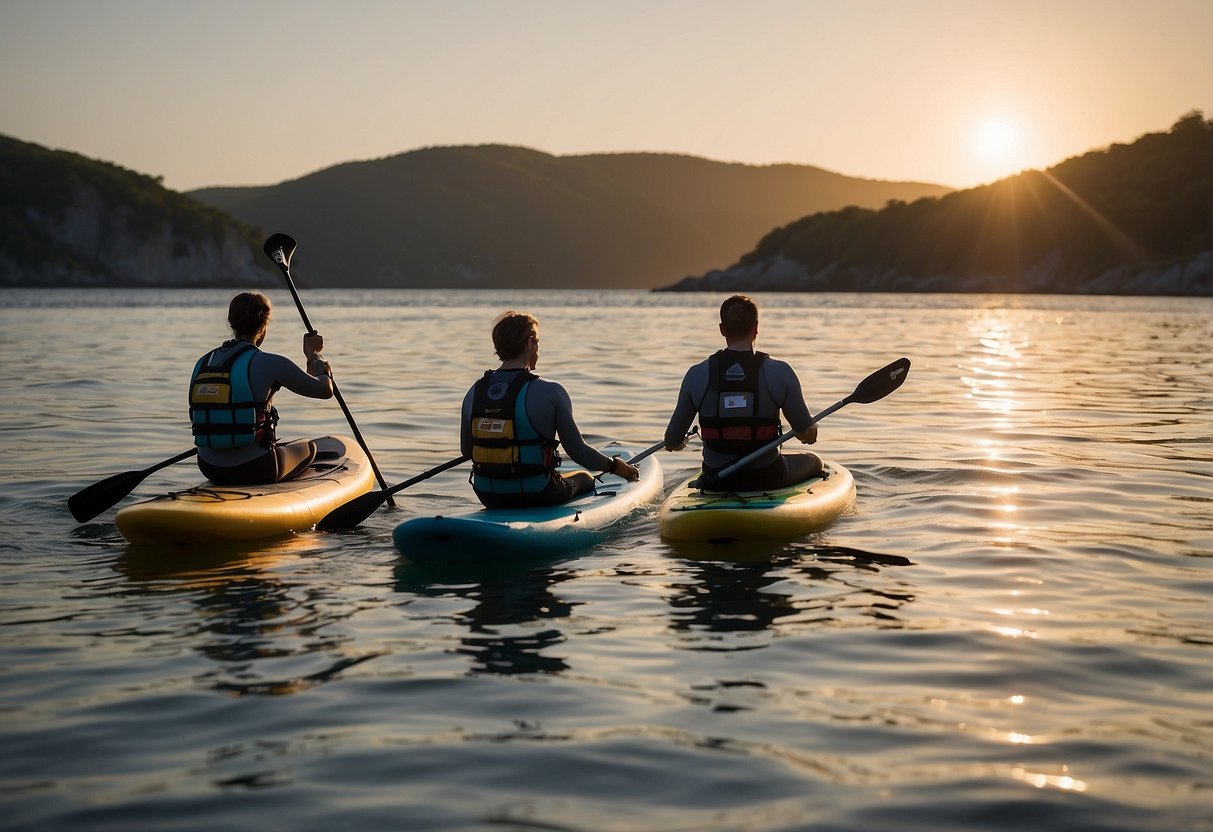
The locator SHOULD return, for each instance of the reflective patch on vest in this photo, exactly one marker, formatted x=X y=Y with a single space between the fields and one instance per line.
x=735 y=373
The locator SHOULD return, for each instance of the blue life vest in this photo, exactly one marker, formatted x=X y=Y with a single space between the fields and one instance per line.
x=223 y=412
x=508 y=454
x=729 y=416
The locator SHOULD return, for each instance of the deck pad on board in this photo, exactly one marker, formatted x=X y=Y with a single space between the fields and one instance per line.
x=719 y=516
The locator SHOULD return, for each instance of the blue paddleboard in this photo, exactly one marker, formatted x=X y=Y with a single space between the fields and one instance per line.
x=492 y=534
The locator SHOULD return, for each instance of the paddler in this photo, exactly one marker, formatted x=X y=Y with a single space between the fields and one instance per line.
x=231 y=400
x=512 y=422
x=738 y=395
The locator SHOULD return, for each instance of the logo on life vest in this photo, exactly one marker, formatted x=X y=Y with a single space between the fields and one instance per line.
x=208 y=390
x=735 y=373
x=498 y=390
x=490 y=425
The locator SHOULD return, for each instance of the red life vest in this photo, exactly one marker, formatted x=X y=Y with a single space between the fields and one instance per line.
x=729 y=420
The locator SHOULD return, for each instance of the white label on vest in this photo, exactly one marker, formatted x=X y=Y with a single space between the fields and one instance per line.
x=491 y=425
x=740 y=401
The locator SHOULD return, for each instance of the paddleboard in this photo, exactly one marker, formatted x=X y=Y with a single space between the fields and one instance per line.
x=209 y=512
x=492 y=534
x=725 y=517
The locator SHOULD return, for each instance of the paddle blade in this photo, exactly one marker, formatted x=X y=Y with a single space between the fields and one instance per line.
x=881 y=383
x=350 y=514
x=279 y=248
x=89 y=502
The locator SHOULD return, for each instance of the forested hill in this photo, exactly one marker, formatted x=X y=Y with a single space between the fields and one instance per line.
x=66 y=220
x=1129 y=219
x=509 y=217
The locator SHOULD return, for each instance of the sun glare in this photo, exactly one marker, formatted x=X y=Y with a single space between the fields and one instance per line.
x=997 y=140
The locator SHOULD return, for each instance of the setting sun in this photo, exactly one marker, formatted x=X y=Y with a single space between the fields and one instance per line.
x=997 y=140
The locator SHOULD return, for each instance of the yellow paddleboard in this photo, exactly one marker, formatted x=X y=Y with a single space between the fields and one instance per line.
x=209 y=512
x=726 y=517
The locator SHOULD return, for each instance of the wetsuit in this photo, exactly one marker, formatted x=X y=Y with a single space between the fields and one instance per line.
x=778 y=390
x=258 y=462
x=549 y=414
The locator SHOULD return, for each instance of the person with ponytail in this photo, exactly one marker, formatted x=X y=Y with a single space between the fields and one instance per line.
x=231 y=400
x=512 y=421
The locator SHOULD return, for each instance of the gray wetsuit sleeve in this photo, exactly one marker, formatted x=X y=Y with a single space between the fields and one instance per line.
x=551 y=412
x=465 y=424
x=694 y=386
x=271 y=371
x=783 y=385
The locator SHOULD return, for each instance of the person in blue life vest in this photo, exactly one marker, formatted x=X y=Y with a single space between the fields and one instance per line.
x=512 y=421
x=738 y=395
x=231 y=400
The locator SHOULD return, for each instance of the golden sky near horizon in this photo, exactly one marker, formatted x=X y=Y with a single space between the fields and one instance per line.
x=247 y=92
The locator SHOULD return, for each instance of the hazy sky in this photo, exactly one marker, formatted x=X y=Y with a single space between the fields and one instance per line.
x=957 y=92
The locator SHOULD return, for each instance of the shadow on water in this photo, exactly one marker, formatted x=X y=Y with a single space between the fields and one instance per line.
x=770 y=550
x=750 y=588
x=246 y=618
x=504 y=594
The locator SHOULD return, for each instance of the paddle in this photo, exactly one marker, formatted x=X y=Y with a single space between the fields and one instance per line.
x=350 y=514
x=279 y=248
x=89 y=502
x=873 y=388
x=652 y=449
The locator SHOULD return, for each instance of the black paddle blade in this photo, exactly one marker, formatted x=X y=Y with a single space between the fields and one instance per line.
x=882 y=382
x=89 y=502
x=351 y=513
x=279 y=248
x=348 y=515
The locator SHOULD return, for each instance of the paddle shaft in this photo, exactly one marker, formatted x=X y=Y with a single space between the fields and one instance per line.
x=775 y=443
x=652 y=449
x=873 y=388
x=168 y=462
x=425 y=475
x=351 y=513
x=280 y=259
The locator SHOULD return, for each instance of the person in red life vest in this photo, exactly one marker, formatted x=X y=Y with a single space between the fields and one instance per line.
x=231 y=400
x=738 y=395
x=511 y=421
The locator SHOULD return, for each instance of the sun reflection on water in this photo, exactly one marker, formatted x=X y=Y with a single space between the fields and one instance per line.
x=991 y=376
x=1056 y=781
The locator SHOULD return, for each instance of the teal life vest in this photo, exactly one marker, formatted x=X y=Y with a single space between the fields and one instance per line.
x=730 y=416
x=508 y=454
x=223 y=411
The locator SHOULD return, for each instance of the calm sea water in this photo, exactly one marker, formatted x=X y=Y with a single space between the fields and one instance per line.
x=1043 y=660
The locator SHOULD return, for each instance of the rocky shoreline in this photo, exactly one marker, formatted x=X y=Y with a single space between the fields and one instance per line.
x=1192 y=277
